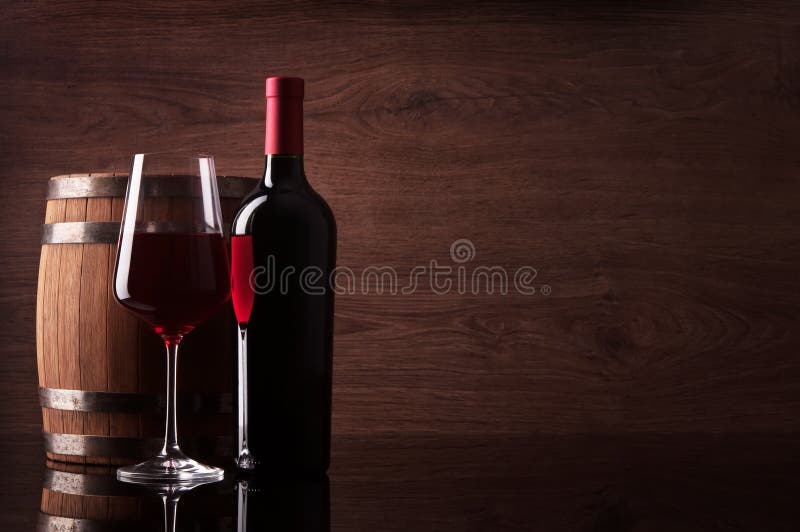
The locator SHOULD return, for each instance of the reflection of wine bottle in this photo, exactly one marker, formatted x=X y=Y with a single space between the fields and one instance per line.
x=283 y=252
x=283 y=504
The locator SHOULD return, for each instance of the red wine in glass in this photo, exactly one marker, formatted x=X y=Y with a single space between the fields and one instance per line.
x=176 y=280
x=241 y=268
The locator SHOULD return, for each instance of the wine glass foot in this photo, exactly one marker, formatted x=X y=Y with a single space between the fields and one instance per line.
x=245 y=461
x=169 y=469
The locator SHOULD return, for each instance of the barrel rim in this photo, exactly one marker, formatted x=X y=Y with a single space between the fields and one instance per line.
x=93 y=232
x=47 y=522
x=114 y=185
x=132 y=402
x=86 y=484
x=101 y=484
x=126 y=174
x=130 y=447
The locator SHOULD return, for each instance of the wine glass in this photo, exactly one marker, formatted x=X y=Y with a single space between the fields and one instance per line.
x=243 y=297
x=172 y=273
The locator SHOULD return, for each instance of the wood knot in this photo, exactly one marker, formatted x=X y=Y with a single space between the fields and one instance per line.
x=613 y=341
x=417 y=104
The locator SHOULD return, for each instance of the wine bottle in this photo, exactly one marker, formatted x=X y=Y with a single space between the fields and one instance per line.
x=283 y=243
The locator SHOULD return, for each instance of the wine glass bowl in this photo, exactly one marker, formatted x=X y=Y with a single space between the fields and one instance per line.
x=171 y=272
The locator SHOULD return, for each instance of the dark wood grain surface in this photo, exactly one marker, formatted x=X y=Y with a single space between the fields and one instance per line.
x=643 y=159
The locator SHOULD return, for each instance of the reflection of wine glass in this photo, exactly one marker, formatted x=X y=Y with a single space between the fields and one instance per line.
x=172 y=272
x=242 y=487
x=170 y=493
x=90 y=497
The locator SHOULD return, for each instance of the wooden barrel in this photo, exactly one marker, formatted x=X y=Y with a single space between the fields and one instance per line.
x=91 y=499
x=101 y=372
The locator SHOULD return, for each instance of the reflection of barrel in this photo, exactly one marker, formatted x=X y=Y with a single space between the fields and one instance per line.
x=76 y=497
x=102 y=375
x=90 y=498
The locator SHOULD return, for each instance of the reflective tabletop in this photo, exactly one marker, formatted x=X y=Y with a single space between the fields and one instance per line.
x=513 y=482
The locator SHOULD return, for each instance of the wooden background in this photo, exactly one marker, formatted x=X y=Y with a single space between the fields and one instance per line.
x=643 y=159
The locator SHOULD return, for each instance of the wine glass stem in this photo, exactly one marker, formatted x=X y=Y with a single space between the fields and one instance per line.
x=171 y=430
x=243 y=450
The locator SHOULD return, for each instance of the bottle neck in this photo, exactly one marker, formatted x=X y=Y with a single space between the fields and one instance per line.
x=283 y=170
x=283 y=140
x=284 y=126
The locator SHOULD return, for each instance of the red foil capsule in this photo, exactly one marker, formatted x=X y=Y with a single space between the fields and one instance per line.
x=284 y=133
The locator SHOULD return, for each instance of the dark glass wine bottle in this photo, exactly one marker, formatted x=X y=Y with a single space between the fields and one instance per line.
x=283 y=253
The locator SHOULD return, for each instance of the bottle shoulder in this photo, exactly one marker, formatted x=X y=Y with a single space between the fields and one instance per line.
x=324 y=208
x=284 y=205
